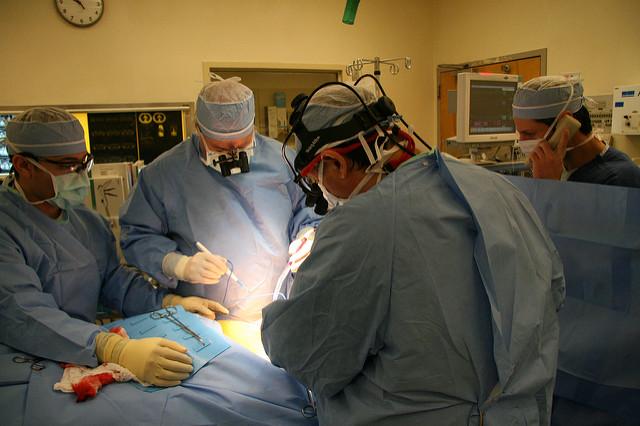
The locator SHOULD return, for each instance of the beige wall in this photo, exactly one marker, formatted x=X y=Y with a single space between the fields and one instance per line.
x=152 y=50
x=600 y=39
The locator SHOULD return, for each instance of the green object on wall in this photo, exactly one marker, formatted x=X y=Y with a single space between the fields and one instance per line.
x=350 y=10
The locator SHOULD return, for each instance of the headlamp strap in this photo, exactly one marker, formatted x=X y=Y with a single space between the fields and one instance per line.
x=366 y=148
x=410 y=129
x=379 y=143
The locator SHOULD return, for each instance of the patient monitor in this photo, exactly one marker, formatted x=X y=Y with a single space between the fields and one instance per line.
x=484 y=111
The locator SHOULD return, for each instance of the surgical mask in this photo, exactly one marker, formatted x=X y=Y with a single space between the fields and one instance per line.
x=229 y=162
x=332 y=200
x=527 y=146
x=70 y=189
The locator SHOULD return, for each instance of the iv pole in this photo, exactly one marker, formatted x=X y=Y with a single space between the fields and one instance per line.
x=356 y=66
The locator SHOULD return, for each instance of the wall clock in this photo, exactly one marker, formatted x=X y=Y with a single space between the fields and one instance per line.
x=81 y=13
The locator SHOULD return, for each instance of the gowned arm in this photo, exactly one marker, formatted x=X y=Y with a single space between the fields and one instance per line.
x=334 y=319
x=143 y=232
x=32 y=322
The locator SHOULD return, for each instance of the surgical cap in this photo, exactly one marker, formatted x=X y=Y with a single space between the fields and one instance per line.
x=329 y=107
x=546 y=97
x=334 y=105
x=225 y=110
x=44 y=132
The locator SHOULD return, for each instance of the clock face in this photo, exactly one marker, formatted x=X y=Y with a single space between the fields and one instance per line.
x=80 y=12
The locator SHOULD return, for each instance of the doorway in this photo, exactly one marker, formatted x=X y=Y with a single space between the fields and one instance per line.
x=274 y=86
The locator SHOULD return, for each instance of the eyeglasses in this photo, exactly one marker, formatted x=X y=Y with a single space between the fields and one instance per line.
x=69 y=166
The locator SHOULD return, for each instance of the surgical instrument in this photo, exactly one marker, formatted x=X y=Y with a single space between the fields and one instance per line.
x=169 y=313
x=36 y=365
x=228 y=272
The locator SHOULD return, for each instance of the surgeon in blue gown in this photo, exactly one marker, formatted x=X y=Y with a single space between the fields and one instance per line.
x=537 y=107
x=57 y=261
x=226 y=188
x=431 y=292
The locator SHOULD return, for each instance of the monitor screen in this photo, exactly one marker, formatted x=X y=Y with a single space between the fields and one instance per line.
x=5 y=163
x=490 y=107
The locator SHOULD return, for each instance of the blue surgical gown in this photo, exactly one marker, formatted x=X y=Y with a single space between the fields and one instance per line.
x=596 y=229
x=54 y=273
x=237 y=388
x=248 y=218
x=613 y=167
x=429 y=300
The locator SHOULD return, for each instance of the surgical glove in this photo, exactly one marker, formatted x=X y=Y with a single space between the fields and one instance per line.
x=201 y=268
x=199 y=305
x=300 y=248
x=154 y=360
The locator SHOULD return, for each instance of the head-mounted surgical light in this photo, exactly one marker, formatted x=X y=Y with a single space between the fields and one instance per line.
x=364 y=122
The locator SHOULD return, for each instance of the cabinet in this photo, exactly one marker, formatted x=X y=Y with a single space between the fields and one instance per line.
x=274 y=86
x=123 y=132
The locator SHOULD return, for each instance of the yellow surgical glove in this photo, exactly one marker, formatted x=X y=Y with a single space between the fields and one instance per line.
x=154 y=360
x=199 y=305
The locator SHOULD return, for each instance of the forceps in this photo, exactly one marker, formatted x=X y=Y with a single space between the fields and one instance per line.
x=36 y=365
x=310 y=410
x=169 y=313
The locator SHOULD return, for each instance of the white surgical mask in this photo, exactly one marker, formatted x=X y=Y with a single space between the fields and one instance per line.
x=333 y=200
x=216 y=159
x=527 y=146
x=70 y=189
x=377 y=159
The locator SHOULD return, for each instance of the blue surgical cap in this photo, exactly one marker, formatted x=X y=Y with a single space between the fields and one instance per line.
x=45 y=132
x=225 y=110
x=334 y=105
x=546 y=97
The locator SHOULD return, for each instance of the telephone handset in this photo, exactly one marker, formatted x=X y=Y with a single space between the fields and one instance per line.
x=566 y=122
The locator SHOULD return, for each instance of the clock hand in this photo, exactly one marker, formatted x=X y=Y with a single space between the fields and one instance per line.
x=78 y=1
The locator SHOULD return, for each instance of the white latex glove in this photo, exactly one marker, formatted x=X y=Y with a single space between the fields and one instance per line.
x=300 y=248
x=201 y=268
x=154 y=360
x=199 y=305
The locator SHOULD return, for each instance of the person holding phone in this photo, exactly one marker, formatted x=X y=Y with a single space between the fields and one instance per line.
x=555 y=132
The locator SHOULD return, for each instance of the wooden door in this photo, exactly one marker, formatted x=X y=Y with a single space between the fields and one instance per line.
x=526 y=68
